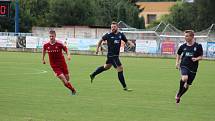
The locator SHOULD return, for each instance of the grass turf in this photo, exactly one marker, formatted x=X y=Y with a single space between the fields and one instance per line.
x=29 y=91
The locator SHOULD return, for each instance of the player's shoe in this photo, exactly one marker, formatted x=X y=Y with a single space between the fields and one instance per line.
x=91 y=78
x=127 y=89
x=73 y=92
x=177 y=99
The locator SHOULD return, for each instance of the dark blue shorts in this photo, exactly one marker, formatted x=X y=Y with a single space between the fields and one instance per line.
x=191 y=75
x=113 y=61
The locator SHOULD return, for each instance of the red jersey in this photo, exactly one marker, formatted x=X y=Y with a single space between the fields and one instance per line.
x=56 y=56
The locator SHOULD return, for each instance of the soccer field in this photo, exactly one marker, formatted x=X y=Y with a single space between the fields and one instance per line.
x=29 y=91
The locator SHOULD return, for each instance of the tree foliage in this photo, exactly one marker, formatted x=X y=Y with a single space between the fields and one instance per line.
x=197 y=16
x=32 y=13
x=74 y=12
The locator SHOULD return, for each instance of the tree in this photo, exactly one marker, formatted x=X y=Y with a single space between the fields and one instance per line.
x=182 y=15
x=205 y=12
x=74 y=12
x=77 y=12
x=6 y=24
x=198 y=15
x=32 y=13
x=119 y=10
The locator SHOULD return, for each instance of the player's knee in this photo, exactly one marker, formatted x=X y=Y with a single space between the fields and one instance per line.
x=184 y=78
x=120 y=69
x=106 y=67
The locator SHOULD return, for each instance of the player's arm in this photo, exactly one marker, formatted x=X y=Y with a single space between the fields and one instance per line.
x=178 y=57
x=66 y=49
x=200 y=53
x=68 y=54
x=197 y=58
x=104 y=37
x=130 y=43
x=99 y=45
x=43 y=55
x=177 y=61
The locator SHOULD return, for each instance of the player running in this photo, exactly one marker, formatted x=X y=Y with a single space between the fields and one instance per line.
x=189 y=53
x=57 y=60
x=113 y=42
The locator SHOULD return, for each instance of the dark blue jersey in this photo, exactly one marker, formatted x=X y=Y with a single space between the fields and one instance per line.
x=114 y=43
x=188 y=52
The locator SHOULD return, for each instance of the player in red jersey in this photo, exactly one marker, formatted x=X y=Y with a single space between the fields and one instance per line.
x=57 y=60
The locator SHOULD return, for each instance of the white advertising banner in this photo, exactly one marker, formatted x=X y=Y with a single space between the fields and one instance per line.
x=211 y=49
x=72 y=43
x=31 y=41
x=3 y=41
x=11 y=41
x=204 y=47
x=42 y=41
x=87 y=44
x=146 y=46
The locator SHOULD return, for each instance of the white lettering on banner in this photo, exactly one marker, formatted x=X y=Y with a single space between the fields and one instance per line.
x=8 y=41
x=3 y=41
x=11 y=41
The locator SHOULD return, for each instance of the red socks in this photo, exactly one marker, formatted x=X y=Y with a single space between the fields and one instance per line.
x=69 y=86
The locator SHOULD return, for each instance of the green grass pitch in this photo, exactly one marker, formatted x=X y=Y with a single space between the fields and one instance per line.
x=29 y=91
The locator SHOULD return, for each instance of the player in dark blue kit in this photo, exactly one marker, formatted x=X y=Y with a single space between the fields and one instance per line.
x=113 y=39
x=187 y=60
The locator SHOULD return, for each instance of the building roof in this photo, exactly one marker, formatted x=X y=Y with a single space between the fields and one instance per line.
x=155 y=6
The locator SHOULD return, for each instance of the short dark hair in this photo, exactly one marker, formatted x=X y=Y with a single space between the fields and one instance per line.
x=114 y=22
x=190 y=32
x=52 y=32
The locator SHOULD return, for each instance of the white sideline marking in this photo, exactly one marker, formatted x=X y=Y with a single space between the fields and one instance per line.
x=40 y=72
x=31 y=73
x=37 y=71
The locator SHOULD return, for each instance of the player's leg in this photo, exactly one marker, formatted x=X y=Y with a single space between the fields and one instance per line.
x=66 y=83
x=101 y=69
x=191 y=77
x=117 y=64
x=65 y=71
x=59 y=72
x=121 y=77
x=67 y=76
x=184 y=89
x=184 y=78
x=183 y=83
